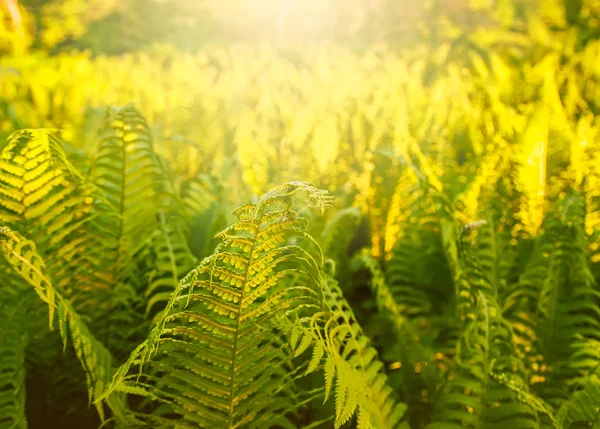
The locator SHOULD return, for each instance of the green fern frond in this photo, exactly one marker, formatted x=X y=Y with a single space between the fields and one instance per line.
x=472 y=396
x=35 y=176
x=386 y=301
x=126 y=236
x=379 y=196
x=582 y=409
x=166 y=257
x=204 y=205
x=412 y=210
x=127 y=174
x=532 y=170
x=556 y=299
x=43 y=195
x=416 y=270
x=170 y=260
x=338 y=232
x=94 y=358
x=412 y=342
x=418 y=281
x=469 y=202
x=351 y=363
x=491 y=197
x=218 y=356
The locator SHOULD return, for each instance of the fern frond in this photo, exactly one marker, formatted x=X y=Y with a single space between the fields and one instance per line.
x=352 y=364
x=94 y=358
x=582 y=409
x=127 y=173
x=170 y=260
x=532 y=171
x=167 y=257
x=204 y=205
x=44 y=196
x=408 y=198
x=556 y=299
x=133 y=188
x=472 y=396
x=218 y=357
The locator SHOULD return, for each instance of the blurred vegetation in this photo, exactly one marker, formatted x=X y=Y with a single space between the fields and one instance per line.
x=118 y=26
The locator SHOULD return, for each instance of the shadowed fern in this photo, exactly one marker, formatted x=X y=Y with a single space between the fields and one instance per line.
x=338 y=232
x=14 y=338
x=557 y=299
x=127 y=174
x=582 y=409
x=135 y=237
x=473 y=396
x=94 y=358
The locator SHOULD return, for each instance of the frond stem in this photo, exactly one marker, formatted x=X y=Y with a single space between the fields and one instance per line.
x=238 y=319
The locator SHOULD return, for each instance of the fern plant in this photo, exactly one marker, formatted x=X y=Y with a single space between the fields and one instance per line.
x=21 y=254
x=81 y=237
x=352 y=362
x=139 y=236
x=225 y=351
x=43 y=195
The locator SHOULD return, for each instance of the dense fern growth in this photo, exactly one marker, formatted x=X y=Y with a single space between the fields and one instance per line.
x=184 y=265
x=138 y=233
x=557 y=298
x=473 y=395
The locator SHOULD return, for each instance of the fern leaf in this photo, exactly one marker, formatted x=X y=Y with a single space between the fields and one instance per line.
x=583 y=407
x=137 y=242
x=472 y=397
x=556 y=298
x=44 y=196
x=217 y=357
x=94 y=358
x=126 y=172
x=360 y=383
x=337 y=233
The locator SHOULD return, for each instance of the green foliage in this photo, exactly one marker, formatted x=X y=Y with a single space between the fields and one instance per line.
x=582 y=408
x=238 y=317
x=487 y=339
x=229 y=312
x=95 y=359
x=453 y=284
x=13 y=342
x=352 y=363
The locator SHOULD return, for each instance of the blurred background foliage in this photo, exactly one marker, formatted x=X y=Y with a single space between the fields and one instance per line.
x=117 y=26
x=258 y=93
x=237 y=89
